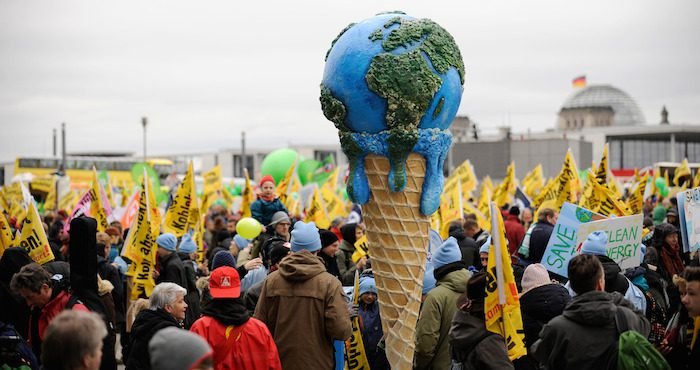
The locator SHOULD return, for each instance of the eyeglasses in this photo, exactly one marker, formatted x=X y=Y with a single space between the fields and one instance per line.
x=484 y=258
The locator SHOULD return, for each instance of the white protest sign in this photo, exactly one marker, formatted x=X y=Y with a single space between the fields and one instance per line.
x=624 y=238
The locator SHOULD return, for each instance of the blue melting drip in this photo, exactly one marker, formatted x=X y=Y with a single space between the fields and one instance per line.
x=432 y=143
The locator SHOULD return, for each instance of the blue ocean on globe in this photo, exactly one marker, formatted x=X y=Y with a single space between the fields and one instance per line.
x=348 y=63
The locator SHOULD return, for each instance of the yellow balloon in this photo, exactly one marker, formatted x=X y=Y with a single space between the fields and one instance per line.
x=248 y=228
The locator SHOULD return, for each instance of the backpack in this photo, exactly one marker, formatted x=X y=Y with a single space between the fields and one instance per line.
x=634 y=351
x=14 y=350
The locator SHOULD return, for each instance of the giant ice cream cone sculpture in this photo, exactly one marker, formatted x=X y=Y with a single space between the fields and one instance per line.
x=392 y=85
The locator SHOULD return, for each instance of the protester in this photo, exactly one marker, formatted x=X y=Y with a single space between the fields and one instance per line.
x=526 y=217
x=691 y=301
x=540 y=301
x=471 y=345
x=225 y=318
x=279 y=251
x=539 y=237
x=46 y=297
x=267 y=203
x=667 y=246
x=515 y=232
x=432 y=344
x=467 y=245
x=585 y=335
x=351 y=232
x=371 y=324
x=15 y=310
x=301 y=297
x=329 y=249
x=474 y=231
x=73 y=341
x=167 y=308
x=175 y=349
x=187 y=254
x=278 y=229
x=224 y=258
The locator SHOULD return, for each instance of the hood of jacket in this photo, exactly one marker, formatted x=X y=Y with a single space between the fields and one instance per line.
x=345 y=246
x=591 y=309
x=148 y=322
x=466 y=331
x=455 y=281
x=12 y=261
x=228 y=311
x=615 y=281
x=301 y=266
x=545 y=302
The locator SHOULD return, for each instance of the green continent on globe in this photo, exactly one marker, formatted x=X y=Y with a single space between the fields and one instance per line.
x=333 y=109
x=583 y=215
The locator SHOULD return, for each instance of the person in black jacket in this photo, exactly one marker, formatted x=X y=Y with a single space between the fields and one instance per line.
x=329 y=248
x=539 y=237
x=467 y=245
x=167 y=308
x=187 y=249
x=171 y=267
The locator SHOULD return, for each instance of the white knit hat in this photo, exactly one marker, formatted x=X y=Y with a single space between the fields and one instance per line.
x=535 y=276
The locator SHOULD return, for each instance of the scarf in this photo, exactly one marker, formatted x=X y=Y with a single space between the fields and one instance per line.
x=227 y=311
x=672 y=261
x=267 y=198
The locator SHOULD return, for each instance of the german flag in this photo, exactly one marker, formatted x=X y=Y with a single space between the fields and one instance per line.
x=579 y=81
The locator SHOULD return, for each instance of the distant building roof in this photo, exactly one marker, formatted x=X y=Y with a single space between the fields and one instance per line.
x=627 y=113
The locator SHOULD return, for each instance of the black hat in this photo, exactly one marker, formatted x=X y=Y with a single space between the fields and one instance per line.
x=327 y=238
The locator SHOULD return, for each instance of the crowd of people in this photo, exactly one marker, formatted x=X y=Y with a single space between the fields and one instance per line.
x=277 y=302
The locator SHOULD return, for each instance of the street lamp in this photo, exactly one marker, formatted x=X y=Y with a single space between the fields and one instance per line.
x=144 y=122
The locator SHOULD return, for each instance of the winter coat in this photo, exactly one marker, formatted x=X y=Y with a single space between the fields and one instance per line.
x=331 y=264
x=468 y=247
x=305 y=309
x=585 y=335
x=345 y=265
x=515 y=232
x=110 y=273
x=372 y=333
x=14 y=308
x=474 y=346
x=538 y=240
x=540 y=305
x=172 y=270
x=432 y=342
x=263 y=210
x=41 y=317
x=238 y=341
x=146 y=325
x=192 y=297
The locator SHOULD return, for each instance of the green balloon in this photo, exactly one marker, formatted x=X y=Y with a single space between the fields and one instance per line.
x=663 y=191
x=236 y=190
x=306 y=170
x=660 y=182
x=278 y=162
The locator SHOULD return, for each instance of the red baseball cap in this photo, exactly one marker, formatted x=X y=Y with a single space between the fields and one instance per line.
x=224 y=282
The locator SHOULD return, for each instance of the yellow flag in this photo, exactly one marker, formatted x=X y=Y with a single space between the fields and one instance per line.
x=612 y=185
x=484 y=201
x=6 y=238
x=286 y=185
x=481 y=219
x=178 y=215
x=504 y=192
x=533 y=181
x=488 y=184
x=198 y=238
x=355 y=358
x=361 y=249
x=50 y=202
x=248 y=195
x=502 y=304
x=332 y=180
x=605 y=202
x=682 y=171
x=109 y=193
x=156 y=218
x=33 y=238
x=601 y=173
x=4 y=204
x=43 y=183
x=562 y=189
x=97 y=208
x=212 y=180
x=18 y=212
x=334 y=205
x=140 y=247
x=635 y=202
x=450 y=206
x=668 y=183
x=465 y=173
x=317 y=211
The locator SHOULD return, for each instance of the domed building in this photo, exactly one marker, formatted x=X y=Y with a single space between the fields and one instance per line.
x=599 y=106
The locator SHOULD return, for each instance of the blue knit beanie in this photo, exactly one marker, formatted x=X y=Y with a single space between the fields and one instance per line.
x=428 y=279
x=595 y=244
x=367 y=285
x=447 y=253
x=305 y=237
x=223 y=258
x=187 y=245
x=240 y=241
x=167 y=241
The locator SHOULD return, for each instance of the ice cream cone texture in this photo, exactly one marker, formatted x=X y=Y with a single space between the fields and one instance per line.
x=392 y=86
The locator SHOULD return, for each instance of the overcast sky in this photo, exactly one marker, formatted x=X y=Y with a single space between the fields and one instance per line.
x=204 y=71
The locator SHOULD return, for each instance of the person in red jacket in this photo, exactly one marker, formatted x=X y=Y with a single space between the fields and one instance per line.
x=515 y=232
x=43 y=294
x=238 y=340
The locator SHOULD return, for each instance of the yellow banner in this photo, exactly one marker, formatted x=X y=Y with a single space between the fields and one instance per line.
x=502 y=304
x=682 y=171
x=334 y=205
x=635 y=202
x=13 y=192
x=601 y=174
x=212 y=180
x=97 y=208
x=317 y=211
x=18 y=212
x=504 y=192
x=484 y=200
x=33 y=238
x=450 y=206
x=6 y=238
x=602 y=200
x=533 y=181
x=248 y=196
x=140 y=247
x=464 y=173
x=43 y=183
x=198 y=239
x=283 y=188
x=355 y=356
x=361 y=249
x=178 y=215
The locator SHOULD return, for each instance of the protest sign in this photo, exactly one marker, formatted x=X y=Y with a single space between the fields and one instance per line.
x=624 y=238
x=689 y=213
x=562 y=243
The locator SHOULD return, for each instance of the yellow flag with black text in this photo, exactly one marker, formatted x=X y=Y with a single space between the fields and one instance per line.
x=682 y=173
x=635 y=202
x=533 y=181
x=450 y=206
x=504 y=192
x=355 y=356
x=33 y=238
x=178 y=215
x=317 y=211
x=97 y=207
x=502 y=303
x=248 y=195
x=6 y=238
x=140 y=247
x=601 y=173
x=361 y=249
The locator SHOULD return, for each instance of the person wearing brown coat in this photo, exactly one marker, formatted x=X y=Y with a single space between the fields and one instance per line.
x=304 y=306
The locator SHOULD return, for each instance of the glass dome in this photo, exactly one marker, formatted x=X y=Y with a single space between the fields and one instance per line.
x=627 y=113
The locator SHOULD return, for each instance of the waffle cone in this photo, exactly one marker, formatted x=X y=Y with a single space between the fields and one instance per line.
x=397 y=234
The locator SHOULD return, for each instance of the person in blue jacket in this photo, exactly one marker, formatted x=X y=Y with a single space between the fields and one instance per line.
x=267 y=203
